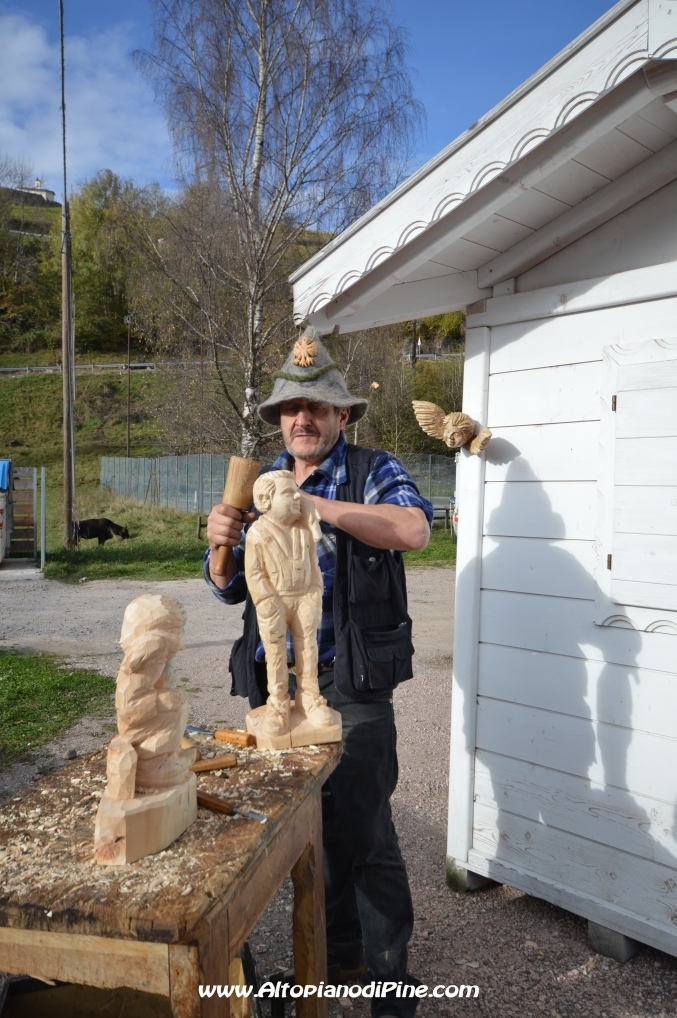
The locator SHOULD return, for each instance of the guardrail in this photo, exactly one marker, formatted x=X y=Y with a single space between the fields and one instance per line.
x=141 y=366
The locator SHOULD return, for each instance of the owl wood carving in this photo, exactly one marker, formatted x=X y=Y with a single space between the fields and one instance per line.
x=456 y=430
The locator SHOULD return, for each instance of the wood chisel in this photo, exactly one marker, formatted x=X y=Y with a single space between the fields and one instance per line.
x=219 y=805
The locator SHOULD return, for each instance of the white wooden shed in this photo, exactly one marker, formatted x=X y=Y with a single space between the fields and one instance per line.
x=553 y=221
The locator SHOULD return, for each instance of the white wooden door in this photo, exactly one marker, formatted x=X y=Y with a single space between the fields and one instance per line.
x=637 y=538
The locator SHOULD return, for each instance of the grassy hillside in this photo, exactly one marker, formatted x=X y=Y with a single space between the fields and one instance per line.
x=163 y=541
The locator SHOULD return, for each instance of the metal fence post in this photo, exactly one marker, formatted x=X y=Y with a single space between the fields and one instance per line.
x=35 y=512
x=43 y=517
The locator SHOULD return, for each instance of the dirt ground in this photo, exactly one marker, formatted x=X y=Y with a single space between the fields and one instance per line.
x=528 y=958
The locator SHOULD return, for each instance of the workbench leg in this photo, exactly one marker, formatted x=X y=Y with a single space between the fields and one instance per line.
x=215 y=965
x=310 y=936
x=205 y=964
x=184 y=979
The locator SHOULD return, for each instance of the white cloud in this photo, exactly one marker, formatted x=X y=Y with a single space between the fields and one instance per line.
x=112 y=119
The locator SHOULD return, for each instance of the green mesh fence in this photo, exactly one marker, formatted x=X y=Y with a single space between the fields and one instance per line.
x=195 y=483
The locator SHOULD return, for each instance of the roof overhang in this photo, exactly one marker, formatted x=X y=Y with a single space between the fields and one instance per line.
x=511 y=190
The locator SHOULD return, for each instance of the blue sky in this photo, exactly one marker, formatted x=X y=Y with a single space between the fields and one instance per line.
x=465 y=58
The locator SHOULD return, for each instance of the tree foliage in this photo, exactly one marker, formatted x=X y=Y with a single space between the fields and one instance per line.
x=25 y=306
x=376 y=366
x=106 y=258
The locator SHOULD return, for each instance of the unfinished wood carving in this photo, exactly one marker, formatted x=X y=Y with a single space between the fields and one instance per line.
x=456 y=430
x=150 y=798
x=285 y=582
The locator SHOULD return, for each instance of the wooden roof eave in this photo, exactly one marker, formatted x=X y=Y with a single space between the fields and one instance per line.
x=380 y=296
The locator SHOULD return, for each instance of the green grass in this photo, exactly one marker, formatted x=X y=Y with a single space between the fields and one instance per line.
x=440 y=551
x=159 y=558
x=39 y=698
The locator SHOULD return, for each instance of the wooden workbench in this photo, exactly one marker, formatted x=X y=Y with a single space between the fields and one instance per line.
x=171 y=921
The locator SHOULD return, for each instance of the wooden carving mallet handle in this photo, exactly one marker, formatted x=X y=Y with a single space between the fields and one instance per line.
x=238 y=492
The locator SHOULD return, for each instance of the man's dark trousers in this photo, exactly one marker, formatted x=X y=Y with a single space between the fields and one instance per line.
x=368 y=900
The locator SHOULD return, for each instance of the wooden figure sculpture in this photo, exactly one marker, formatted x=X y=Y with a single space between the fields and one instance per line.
x=151 y=796
x=456 y=430
x=285 y=582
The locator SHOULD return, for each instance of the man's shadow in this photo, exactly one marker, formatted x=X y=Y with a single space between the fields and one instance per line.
x=554 y=730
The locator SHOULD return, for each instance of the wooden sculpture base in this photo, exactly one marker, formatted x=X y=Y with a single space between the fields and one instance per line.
x=128 y=829
x=301 y=731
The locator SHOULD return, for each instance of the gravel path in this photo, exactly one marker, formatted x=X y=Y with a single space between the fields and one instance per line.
x=528 y=958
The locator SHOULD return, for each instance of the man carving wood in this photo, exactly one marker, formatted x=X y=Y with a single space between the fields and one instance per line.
x=285 y=582
x=370 y=511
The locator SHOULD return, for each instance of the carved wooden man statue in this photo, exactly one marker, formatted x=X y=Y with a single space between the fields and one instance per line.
x=150 y=797
x=285 y=582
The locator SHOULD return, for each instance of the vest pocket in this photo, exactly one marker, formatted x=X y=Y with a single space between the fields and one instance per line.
x=369 y=579
x=388 y=656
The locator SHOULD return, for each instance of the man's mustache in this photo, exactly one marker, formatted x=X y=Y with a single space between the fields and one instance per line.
x=313 y=432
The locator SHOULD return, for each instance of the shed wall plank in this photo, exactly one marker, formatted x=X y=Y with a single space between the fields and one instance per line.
x=525 y=346
x=645 y=460
x=536 y=566
x=635 y=761
x=568 y=392
x=544 y=452
x=650 y=374
x=559 y=625
x=645 y=510
x=553 y=509
x=645 y=558
x=603 y=873
x=611 y=816
x=647 y=413
x=650 y=595
x=547 y=341
x=636 y=698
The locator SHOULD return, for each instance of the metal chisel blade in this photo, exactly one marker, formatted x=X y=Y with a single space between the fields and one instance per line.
x=251 y=814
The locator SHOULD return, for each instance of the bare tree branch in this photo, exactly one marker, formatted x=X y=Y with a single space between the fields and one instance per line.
x=290 y=118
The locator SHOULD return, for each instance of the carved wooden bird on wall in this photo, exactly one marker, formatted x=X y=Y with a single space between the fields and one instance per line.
x=455 y=429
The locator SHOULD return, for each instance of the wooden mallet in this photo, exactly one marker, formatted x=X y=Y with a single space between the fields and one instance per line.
x=238 y=492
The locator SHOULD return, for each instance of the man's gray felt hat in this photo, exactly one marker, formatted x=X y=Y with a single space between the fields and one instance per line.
x=310 y=373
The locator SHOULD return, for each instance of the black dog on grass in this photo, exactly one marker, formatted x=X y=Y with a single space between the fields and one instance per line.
x=102 y=528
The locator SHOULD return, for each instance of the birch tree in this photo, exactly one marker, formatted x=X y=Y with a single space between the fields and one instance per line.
x=293 y=117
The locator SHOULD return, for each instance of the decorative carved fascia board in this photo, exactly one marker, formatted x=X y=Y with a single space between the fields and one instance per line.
x=608 y=611
x=565 y=91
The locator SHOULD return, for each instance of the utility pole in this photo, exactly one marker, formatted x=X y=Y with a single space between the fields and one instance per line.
x=128 y=321
x=67 y=330
x=413 y=343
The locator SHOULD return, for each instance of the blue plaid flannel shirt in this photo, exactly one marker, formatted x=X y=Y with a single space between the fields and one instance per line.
x=388 y=483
